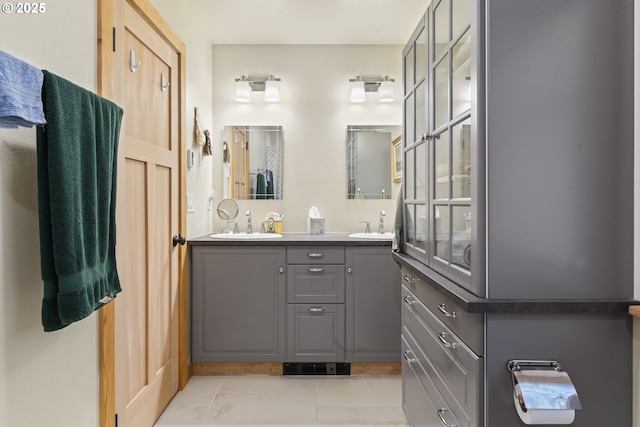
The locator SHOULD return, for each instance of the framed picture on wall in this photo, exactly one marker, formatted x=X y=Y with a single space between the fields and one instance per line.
x=396 y=159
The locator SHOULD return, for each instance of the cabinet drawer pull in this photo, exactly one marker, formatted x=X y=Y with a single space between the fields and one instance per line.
x=407 y=278
x=443 y=309
x=441 y=413
x=443 y=339
x=315 y=270
x=315 y=254
x=316 y=309
x=409 y=300
x=409 y=359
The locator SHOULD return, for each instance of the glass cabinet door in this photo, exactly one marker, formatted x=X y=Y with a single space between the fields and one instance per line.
x=450 y=140
x=438 y=144
x=416 y=124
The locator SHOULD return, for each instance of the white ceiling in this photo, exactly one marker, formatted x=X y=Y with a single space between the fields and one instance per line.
x=307 y=21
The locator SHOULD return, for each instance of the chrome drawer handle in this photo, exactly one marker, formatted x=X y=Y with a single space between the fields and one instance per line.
x=409 y=359
x=441 y=413
x=408 y=278
x=409 y=300
x=315 y=254
x=316 y=309
x=443 y=309
x=443 y=338
x=315 y=270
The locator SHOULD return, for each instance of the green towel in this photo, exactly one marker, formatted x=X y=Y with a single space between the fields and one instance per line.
x=77 y=169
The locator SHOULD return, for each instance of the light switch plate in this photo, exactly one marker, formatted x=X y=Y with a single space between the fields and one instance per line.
x=191 y=203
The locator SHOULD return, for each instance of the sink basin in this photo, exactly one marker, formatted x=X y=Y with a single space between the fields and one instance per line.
x=377 y=236
x=245 y=236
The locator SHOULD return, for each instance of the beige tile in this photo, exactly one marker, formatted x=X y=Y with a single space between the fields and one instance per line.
x=199 y=391
x=268 y=384
x=365 y=391
x=183 y=415
x=263 y=407
x=362 y=415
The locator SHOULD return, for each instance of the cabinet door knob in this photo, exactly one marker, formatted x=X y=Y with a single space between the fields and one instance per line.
x=443 y=309
x=349 y=270
x=441 y=413
x=281 y=269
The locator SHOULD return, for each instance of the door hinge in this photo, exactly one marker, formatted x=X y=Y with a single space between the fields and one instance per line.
x=116 y=420
x=113 y=38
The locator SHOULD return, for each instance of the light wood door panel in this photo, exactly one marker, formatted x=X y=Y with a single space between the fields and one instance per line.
x=146 y=319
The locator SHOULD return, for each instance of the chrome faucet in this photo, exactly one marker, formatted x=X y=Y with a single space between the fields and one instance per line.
x=236 y=230
x=249 y=226
x=381 y=224
x=367 y=228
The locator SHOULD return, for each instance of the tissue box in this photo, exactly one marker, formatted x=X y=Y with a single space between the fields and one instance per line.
x=315 y=225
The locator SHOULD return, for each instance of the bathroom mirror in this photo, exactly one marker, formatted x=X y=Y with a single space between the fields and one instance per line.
x=253 y=162
x=369 y=160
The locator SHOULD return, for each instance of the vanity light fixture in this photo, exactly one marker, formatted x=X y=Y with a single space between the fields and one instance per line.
x=383 y=85
x=267 y=84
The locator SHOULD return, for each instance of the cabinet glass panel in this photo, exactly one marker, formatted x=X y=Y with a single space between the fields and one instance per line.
x=409 y=222
x=441 y=232
x=409 y=177
x=421 y=227
x=421 y=55
x=461 y=160
x=460 y=16
x=441 y=28
x=441 y=92
x=442 y=167
x=421 y=172
x=409 y=70
x=461 y=237
x=421 y=111
x=461 y=75
x=409 y=125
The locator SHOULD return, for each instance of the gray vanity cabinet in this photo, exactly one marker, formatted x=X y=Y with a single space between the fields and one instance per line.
x=315 y=304
x=238 y=304
x=373 y=298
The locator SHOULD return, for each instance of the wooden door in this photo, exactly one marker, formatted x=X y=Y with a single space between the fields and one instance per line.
x=240 y=163
x=146 y=84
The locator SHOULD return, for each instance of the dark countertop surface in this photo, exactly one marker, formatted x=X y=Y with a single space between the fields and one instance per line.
x=474 y=304
x=299 y=239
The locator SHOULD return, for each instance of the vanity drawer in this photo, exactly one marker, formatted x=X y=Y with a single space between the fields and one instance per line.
x=422 y=401
x=458 y=367
x=468 y=326
x=315 y=333
x=315 y=283
x=315 y=255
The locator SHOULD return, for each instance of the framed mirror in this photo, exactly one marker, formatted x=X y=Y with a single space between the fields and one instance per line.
x=370 y=160
x=253 y=163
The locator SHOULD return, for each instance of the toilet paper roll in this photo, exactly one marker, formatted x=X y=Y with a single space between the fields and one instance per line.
x=541 y=416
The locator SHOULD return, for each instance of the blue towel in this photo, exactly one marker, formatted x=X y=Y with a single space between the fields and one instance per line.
x=20 y=93
x=77 y=169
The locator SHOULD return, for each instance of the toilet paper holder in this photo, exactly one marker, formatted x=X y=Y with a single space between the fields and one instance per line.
x=543 y=393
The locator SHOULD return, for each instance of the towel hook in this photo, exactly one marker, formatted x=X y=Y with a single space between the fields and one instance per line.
x=133 y=65
x=163 y=83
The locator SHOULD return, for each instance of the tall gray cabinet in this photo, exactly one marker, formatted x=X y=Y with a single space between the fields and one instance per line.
x=518 y=206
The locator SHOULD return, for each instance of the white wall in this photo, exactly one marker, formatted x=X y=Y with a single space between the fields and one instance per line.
x=46 y=379
x=314 y=111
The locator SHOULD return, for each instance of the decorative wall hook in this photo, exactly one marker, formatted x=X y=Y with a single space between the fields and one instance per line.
x=163 y=83
x=133 y=65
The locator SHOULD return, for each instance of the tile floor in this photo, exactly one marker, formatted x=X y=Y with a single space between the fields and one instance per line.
x=256 y=401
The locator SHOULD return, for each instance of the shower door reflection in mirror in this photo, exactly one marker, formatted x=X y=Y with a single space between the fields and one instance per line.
x=253 y=168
